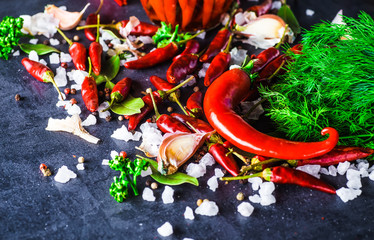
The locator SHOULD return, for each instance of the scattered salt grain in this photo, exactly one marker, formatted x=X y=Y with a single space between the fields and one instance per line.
x=347 y=194
x=90 y=120
x=256 y=182
x=371 y=169
x=237 y=56
x=80 y=166
x=233 y=66
x=60 y=77
x=63 y=103
x=165 y=230
x=105 y=162
x=364 y=172
x=255 y=198
x=191 y=82
x=213 y=183
x=362 y=164
x=65 y=57
x=309 y=12
x=63 y=174
x=266 y=188
x=188 y=213
x=79 y=76
x=245 y=209
x=167 y=195
x=324 y=171
x=196 y=170
x=104 y=114
x=267 y=200
x=354 y=183
x=16 y=53
x=276 y=5
x=352 y=174
x=152 y=138
x=33 y=55
x=311 y=169
x=371 y=176
x=40 y=23
x=338 y=19
x=147 y=172
x=113 y=154
x=103 y=44
x=54 y=58
x=343 y=167
x=76 y=86
x=207 y=160
x=145 y=39
x=34 y=41
x=201 y=35
x=123 y=134
x=218 y=173
x=74 y=109
x=187 y=239
x=333 y=171
x=54 y=42
x=148 y=195
x=207 y=208
x=203 y=69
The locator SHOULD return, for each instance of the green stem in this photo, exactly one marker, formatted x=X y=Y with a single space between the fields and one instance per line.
x=98 y=28
x=282 y=38
x=193 y=36
x=89 y=66
x=241 y=177
x=253 y=166
x=133 y=186
x=175 y=99
x=227 y=49
x=64 y=36
x=179 y=85
x=49 y=77
x=247 y=65
x=149 y=91
x=276 y=71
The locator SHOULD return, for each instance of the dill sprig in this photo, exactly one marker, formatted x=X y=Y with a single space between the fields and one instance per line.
x=330 y=84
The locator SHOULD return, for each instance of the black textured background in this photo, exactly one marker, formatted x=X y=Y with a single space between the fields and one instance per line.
x=35 y=207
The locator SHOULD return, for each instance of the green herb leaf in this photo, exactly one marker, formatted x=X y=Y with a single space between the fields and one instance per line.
x=173 y=179
x=40 y=49
x=130 y=106
x=287 y=15
x=109 y=70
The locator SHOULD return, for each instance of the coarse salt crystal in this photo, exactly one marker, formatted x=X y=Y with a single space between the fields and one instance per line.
x=65 y=57
x=256 y=182
x=245 y=209
x=60 y=77
x=333 y=171
x=80 y=166
x=362 y=164
x=76 y=87
x=145 y=39
x=152 y=138
x=16 y=53
x=105 y=162
x=255 y=198
x=188 y=213
x=309 y=12
x=266 y=188
x=343 y=167
x=90 y=120
x=79 y=76
x=207 y=208
x=42 y=61
x=196 y=170
x=63 y=174
x=147 y=172
x=201 y=35
x=123 y=134
x=148 y=195
x=267 y=200
x=207 y=160
x=354 y=183
x=165 y=230
x=167 y=195
x=218 y=172
x=324 y=171
x=237 y=56
x=347 y=194
x=33 y=55
x=338 y=19
x=364 y=172
x=213 y=183
x=352 y=174
x=54 y=58
x=311 y=169
x=276 y=5
x=202 y=71
x=371 y=176
x=74 y=109
x=103 y=44
x=34 y=41
x=101 y=107
x=54 y=42
x=113 y=154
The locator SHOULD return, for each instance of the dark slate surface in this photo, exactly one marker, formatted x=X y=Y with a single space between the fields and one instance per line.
x=35 y=207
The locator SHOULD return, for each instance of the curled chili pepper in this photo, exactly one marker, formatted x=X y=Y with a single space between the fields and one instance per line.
x=41 y=72
x=192 y=46
x=262 y=8
x=95 y=51
x=91 y=19
x=224 y=158
x=120 y=91
x=218 y=65
x=225 y=93
x=194 y=104
x=264 y=57
x=77 y=52
x=194 y=124
x=183 y=66
x=218 y=43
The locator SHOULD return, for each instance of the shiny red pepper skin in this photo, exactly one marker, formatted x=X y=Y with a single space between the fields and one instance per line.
x=90 y=33
x=194 y=103
x=169 y=124
x=218 y=43
x=198 y=124
x=78 y=54
x=180 y=68
x=262 y=8
x=286 y=175
x=225 y=93
x=142 y=29
x=218 y=65
x=95 y=51
x=154 y=58
x=121 y=90
x=187 y=8
x=192 y=46
x=264 y=57
x=89 y=94
x=161 y=84
x=219 y=152
x=135 y=119
x=39 y=71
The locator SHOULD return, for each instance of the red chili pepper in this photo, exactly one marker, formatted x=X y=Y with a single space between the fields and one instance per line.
x=91 y=19
x=187 y=8
x=121 y=2
x=225 y=93
x=217 y=9
x=183 y=66
x=95 y=51
x=227 y=144
x=218 y=65
x=264 y=57
x=161 y=84
x=286 y=175
x=158 y=8
x=170 y=9
x=208 y=6
x=192 y=46
x=154 y=58
x=41 y=72
x=227 y=161
x=89 y=94
x=77 y=52
x=120 y=91
x=218 y=43
x=142 y=29
x=194 y=103
x=197 y=124
x=169 y=124
x=135 y=119
x=262 y=8
x=337 y=155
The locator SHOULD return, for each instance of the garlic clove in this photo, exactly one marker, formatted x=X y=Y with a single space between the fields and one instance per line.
x=177 y=148
x=266 y=26
x=68 y=20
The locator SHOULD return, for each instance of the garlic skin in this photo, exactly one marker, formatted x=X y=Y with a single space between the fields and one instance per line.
x=177 y=148
x=68 y=20
x=73 y=125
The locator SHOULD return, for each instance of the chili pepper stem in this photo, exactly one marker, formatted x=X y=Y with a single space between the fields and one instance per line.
x=252 y=166
x=192 y=127
x=241 y=157
x=276 y=71
x=49 y=78
x=149 y=91
x=98 y=28
x=282 y=38
x=241 y=177
x=99 y=8
x=227 y=49
x=64 y=36
x=175 y=99
x=179 y=85
x=193 y=36
x=110 y=105
x=247 y=65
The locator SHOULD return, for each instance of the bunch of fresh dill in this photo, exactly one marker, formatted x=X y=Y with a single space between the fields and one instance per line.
x=330 y=84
